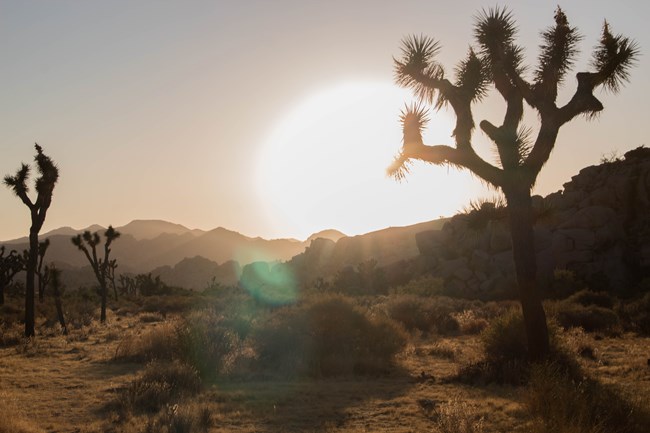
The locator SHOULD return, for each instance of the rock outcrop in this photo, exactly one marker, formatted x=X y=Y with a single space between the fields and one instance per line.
x=598 y=227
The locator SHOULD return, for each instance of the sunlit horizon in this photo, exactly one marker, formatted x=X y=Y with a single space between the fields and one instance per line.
x=255 y=119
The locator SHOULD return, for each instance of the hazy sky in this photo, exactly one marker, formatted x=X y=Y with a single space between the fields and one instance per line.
x=272 y=118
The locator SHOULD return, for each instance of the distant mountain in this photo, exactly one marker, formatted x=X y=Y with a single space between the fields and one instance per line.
x=150 y=229
x=333 y=235
x=196 y=273
x=186 y=257
x=61 y=231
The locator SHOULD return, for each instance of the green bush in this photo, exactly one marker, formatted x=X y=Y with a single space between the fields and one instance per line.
x=326 y=336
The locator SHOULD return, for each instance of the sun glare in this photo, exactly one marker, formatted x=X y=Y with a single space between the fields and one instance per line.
x=324 y=165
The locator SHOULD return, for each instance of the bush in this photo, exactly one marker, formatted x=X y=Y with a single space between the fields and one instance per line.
x=636 y=314
x=469 y=322
x=327 y=336
x=205 y=343
x=586 y=298
x=159 y=384
x=456 y=416
x=505 y=352
x=181 y=419
x=567 y=405
x=425 y=286
x=426 y=314
x=200 y=339
x=591 y=318
x=159 y=343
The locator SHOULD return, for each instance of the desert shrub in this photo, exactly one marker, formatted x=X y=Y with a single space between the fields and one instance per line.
x=586 y=298
x=443 y=349
x=167 y=304
x=566 y=405
x=10 y=314
x=636 y=314
x=176 y=418
x=426 y=286
x=578 y=342
x=564 y=283
x=151 y=317
x=505 y=352
x=200 y=339
x=206 y=344
x=591 y=318
x=159 y=384
x=12 y=334
x=325 y=337
x=456 y=416
x=158 y=343
x=469 y=322
x=426 y=314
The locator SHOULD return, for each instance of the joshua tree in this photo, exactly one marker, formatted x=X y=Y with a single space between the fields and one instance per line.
x=101 y=266
x=43 y=273
x=497 y=61
x=10 y=265
x=48 y=176
x=54 y=282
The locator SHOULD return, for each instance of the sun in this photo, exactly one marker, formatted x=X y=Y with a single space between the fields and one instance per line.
x=324 y=165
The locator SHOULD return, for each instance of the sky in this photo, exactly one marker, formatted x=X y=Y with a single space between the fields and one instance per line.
x=271 y=118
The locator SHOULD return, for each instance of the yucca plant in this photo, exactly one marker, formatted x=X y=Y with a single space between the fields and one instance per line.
x=102 y=267
x=497 y=61
x=48 y=176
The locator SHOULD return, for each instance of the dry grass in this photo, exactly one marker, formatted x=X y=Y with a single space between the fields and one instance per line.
x=67 y=383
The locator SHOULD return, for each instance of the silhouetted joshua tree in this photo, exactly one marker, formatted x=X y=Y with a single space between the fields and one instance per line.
x=48 y=176
x=497 y=61
x=43 y=273
x=10 y=265
x=100 y=265
x=54 y=282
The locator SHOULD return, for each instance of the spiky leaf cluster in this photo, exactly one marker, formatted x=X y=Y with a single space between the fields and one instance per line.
x=417 y=65
x=49 y=173
x=613 y=58
x=494 y=32
x=557 y=54
x=472 y=77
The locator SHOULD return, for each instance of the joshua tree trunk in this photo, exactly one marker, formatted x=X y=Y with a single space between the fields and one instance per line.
x=523 y=248
x=29 y=283
x=56 y=283
x=104 y=289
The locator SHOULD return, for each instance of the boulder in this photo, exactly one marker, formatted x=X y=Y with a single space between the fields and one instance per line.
x=590 y=217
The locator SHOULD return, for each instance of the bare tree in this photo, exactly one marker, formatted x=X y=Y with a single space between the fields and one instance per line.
x=497 y=61
x=48 y=176
x=88 y=242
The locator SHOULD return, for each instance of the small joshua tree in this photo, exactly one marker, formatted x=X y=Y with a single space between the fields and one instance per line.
x=497 y=61
x=48 y=176
x=10 y=265
x=87 y=243
x=54 y=282
x=43 y=273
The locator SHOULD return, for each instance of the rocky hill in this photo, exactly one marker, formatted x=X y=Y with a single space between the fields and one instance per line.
x=597 y=227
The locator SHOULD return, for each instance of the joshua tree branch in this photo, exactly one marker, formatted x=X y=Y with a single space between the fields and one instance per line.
x=465 y=158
